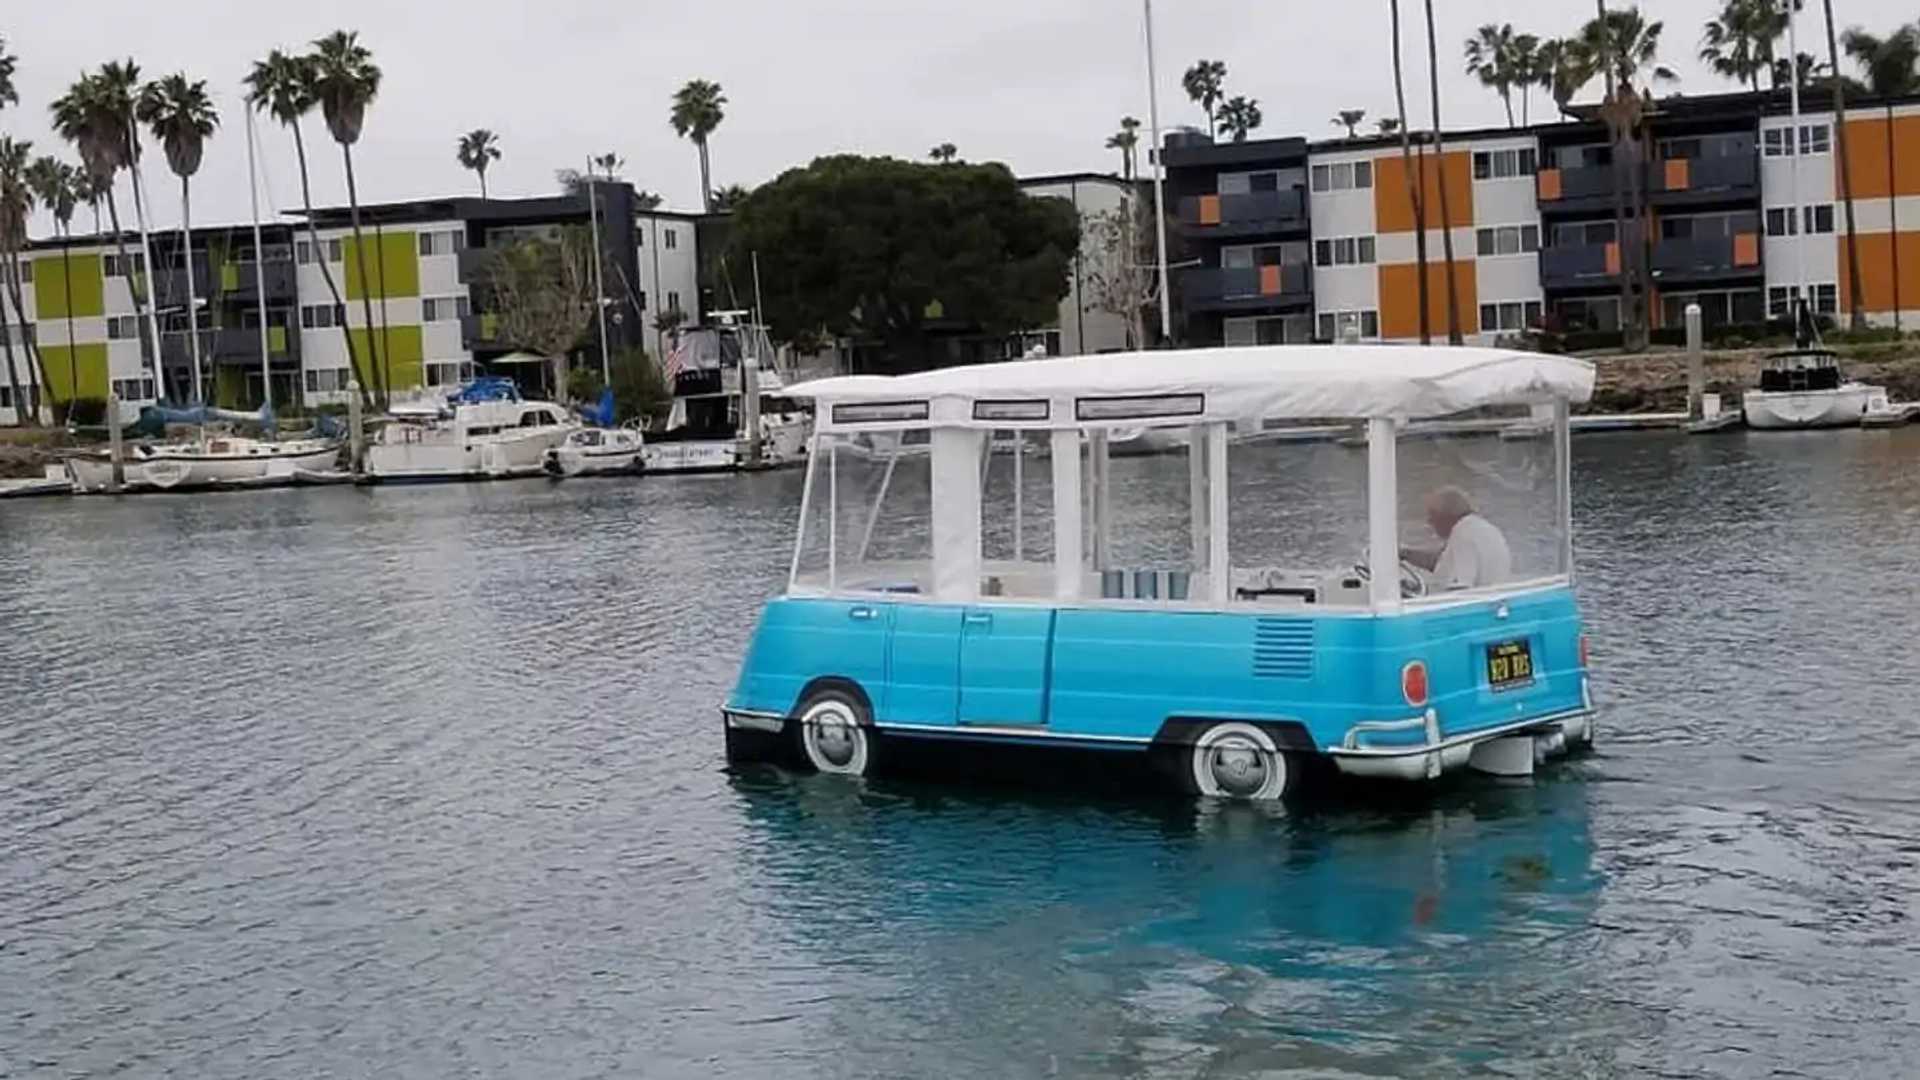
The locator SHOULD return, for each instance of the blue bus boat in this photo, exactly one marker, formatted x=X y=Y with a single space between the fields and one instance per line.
x=973 y=566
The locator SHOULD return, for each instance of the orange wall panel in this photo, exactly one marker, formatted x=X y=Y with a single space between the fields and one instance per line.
x=1867 y=153
x=1876 y=272
x=1270 y=281
x=1400 y=298
x=1393 y=211
x=1677 y=174
x=1549 y=180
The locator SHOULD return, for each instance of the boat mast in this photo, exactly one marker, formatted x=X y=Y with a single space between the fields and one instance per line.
x=1802 y=306
x=599 y=293
x=259 y=276
x=146 y=258
x=1159 y=181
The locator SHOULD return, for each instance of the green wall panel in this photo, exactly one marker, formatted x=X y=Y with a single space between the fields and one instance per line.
x=60 y=368
x=276 y=339
x=398 y=257
x=229 y=387
x=402 y=354
x=50 y=286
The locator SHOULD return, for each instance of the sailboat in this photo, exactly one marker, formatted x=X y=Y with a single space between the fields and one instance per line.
x=1803 y=387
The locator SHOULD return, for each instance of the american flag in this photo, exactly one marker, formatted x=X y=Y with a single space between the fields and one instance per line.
x=676 y=361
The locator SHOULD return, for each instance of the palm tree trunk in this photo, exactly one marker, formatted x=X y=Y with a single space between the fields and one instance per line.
x=1415 y=182
x=1893 y=219
x=22 y=415
x=1440 y=164
x=326 y=268
x=483 y=185
x=12 y=276
x=1506 y=99
x=366 y=295
x=193 y=314
x=149 y=350
x=1643 y=246
x=706 y=180
x=1859 y=320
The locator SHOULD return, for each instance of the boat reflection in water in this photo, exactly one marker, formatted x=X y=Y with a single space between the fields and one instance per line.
x=1329 y=939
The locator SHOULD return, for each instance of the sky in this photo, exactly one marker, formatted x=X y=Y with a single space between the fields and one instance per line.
x=1038 y=84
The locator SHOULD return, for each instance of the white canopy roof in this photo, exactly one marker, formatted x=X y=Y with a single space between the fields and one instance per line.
x=1260 y=381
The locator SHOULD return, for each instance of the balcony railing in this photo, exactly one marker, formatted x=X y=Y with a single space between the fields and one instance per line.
x=232 y=280
x=1567 y=265
x=1667 y=182
x=1700 y=257
x=230 y=346
x=481 y=329
x=1245 y=287
x=1252 y=212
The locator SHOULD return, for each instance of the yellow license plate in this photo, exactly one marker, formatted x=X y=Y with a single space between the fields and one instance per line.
x=1509 y=665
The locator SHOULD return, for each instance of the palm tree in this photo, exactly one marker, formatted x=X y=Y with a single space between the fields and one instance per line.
x=1205 y=83
x=1127 y=141
x=8 y=96
x=1415 y=173
x=182 y=117
x=1350 y=119
x=1624 y=46
x=1440 y=163
x=1501 y=60
x=345 y=82
x=478 y=149
x=1859 y=319
x=698 y=108
x=609 y=161
x=96 y=116
x=1388 y=125
x=1738 y=45
x=1561 y=66
x=16 y=200
x=88 y=191
x=56 y=185
x=283 y=86
x=1238 y=116
x=944 y=153
x=1892 y=69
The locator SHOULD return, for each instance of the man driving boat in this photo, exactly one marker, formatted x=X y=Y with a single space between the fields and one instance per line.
x=1473 y=554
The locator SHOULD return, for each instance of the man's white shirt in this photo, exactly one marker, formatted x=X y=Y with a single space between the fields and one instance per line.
x=1476 y=555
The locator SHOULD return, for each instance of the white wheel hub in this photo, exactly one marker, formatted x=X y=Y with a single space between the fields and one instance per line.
x=1238 y=761
x=833 y=738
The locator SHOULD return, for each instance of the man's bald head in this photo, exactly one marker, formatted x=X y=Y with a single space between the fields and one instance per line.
x=1445 y=507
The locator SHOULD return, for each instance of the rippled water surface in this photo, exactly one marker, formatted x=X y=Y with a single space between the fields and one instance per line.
x=429 y=782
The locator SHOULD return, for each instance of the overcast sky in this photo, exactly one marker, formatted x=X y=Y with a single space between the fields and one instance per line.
x=1038 y=84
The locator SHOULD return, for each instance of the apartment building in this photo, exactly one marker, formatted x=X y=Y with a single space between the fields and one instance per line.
x=416 y=309
x=1287 y=241
x=1091 y=317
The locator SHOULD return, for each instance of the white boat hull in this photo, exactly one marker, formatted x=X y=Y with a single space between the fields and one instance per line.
x=176 y=467
x=488 y=458
x=1775 y=410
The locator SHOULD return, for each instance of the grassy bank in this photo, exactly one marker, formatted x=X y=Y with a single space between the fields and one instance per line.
x=25 y=452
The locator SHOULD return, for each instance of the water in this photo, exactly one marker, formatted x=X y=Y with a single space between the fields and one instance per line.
x=428 y=782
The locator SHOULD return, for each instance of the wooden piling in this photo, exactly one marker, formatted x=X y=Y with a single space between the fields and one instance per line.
x=116 y=447
x=1696 y=362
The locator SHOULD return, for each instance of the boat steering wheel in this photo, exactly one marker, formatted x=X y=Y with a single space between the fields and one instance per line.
x=1412 y=583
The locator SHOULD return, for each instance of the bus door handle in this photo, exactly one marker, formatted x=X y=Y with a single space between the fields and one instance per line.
x=861 y=613
x=978 y=618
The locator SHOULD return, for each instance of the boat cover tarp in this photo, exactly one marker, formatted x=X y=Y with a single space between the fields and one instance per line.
x=1257 y=381
x=600 y=413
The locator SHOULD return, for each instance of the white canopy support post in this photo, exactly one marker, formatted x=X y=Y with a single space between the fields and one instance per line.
x=1383 y=513
x=806 y=507
x=833 y=516
x=1102 y=506
x=1563 y=469
x=1066 y=515
x=1218 y=557
x=1019 y=496
x=956 y=514
x=1197 y=505
x=880 y=500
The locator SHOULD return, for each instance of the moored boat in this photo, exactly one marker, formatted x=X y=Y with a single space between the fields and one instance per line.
x=730 y=411
x=214 y=461
x=1804 y=388
x=596 y=451
x=484 y=431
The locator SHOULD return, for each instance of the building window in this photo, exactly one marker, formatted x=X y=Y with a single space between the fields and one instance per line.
x=326 y=380
x=336 y=252
x=1720 y=307
x=122 y=327
x=1826 y=299
x=673 y=301
x=1504 y=164
x=1343 y=176
x=1510 y=315
x=322 y=316
x=115 y=266
x=1248 y=182
x=1818 y=218
x=442 y=243
x=672 y=239
x=449 y=372
x=1334 y=325
x=1814 y=139
x=640 y=300
x=26 y=271
x=444 y=308
x=133 y=389
x=1344 y=251
x=1508 y=240
x=303 y=252
x=1780 y=221
x=1268 y=330
x=1581 y=233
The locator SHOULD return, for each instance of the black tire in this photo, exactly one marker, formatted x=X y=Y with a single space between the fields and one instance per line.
x=1233 y=759
x=833 y=730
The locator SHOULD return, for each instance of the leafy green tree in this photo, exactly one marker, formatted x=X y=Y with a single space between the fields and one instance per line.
x=1127 y=141
x=1351 y=119
x=57 y=185
x=345 y=82
x=182 y=117
x=698 y=109
x=1502 y=60
x=893 y=252
x=1738 y=43
x=1239 y=116
x=541 y=292
x=944 y=153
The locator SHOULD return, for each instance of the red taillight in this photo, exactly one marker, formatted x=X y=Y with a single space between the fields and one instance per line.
x=1583 y=650
x=1413 y=683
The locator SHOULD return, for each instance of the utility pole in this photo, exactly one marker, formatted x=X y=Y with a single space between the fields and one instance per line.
x=1159 y=180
